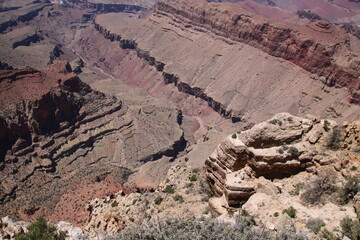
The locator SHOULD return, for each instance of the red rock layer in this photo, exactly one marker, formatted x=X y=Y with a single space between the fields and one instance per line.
x=321 y=51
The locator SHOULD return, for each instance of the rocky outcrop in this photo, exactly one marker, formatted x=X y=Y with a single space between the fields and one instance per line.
x=55 y=131
x=304 y=47
x=274 y=149
x=286 y=163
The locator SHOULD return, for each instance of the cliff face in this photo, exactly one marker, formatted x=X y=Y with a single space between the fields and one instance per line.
x=320 y=49
x=240 y=67
x=57 y=133
x=286 y=161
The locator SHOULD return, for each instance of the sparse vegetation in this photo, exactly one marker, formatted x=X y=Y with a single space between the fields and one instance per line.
x=178 y=198
x=158 y=200
x=193 y=178
x=276 y=214
x=291 y=211
x=315 y=224
x=335 y=139
x=276 y=122
x=350 y=228
x=323 y=183
x=356 y=150
x=202 y=229
x=41 y=230
x=326 y=234
x=290 y=119
x=114 y=204
x=350 y=189
x=169 y=189
x=280 y=150
x=293 y=151
x=297 y=189
x=326 y=126
x=234 y=136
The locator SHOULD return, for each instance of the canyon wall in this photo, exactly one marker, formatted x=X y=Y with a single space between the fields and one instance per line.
x=57 y=133
x=237 y=78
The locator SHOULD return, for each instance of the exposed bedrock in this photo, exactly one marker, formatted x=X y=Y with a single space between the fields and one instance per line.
x=168 y=77
x=236 y=79
x=317 y=49
x=277 y=148
x=56 y=131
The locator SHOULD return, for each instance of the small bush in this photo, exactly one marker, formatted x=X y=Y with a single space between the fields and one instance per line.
x=169 y=189
x=276 y=121
x=326 y=125
x=350 y=228
x=132 y=219
x=234 y=136
x=322 y=184
x=315 y=224
x=293 y=151
x=114 y=204
x=291 y=211
x=326 y=234
x=335 y=139
x=41 y=230
x=297 y=189
x=280 y=150
x=350 y=189
x=276 y=214
x=193 y=178
x=158 y=200
x=290 y=119
x=179 y=198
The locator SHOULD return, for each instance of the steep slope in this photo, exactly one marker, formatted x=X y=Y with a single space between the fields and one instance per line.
x=58 y=133
x=266 y=65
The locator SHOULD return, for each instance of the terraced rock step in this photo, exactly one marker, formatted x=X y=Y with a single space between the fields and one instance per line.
x=55 y=130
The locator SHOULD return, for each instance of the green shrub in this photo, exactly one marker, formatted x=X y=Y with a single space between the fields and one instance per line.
x=158 y=200
x=276 y=214
x=234 y=136
x=280 y=150
x=315 y=224
x=169 y=189
x=41 y=230
x=179 y=198
x=335 y=139
x=276 y=121
x=290 y=119
x=293 y=151
x=350 y=228
x=193 y=178
x=114 y=204
x=326 y=125
x=326 y=234
x=132 y=219
x=350 y=189
x=291 y=211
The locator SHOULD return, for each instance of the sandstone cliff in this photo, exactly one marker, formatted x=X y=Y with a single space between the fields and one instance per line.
x=282 y=162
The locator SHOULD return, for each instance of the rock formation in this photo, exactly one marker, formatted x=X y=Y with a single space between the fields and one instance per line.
x=56 y=131
x=282 y=162
x=246 y=45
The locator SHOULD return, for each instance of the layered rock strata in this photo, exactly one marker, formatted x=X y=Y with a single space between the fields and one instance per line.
x=199 y=55
x=280 y=147
x=55 y=131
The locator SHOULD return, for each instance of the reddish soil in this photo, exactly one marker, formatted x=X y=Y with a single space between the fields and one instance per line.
x=72 y=205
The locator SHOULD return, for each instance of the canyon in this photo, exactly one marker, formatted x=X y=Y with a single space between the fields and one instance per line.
x=107 y=104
